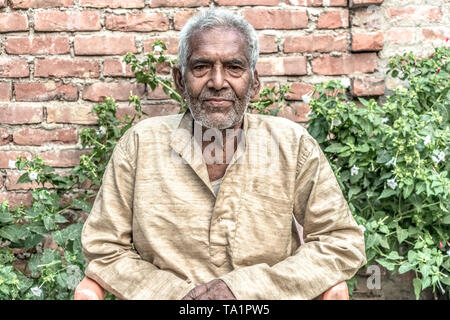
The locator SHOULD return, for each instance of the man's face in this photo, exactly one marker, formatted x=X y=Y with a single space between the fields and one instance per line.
x=218 y=81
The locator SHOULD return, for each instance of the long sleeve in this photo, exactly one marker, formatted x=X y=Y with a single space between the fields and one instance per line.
x=333 y=248
x=107 y=237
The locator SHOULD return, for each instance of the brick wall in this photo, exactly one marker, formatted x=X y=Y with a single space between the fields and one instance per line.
x=59 y=57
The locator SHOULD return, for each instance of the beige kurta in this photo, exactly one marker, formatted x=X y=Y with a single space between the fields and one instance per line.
x=157 y=228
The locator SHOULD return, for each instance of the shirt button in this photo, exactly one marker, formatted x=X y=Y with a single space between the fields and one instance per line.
x=219 y=219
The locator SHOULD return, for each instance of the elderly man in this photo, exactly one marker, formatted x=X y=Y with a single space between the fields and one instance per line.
x=203 y=205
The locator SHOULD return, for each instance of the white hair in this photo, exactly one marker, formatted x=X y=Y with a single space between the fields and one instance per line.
x=217 y=18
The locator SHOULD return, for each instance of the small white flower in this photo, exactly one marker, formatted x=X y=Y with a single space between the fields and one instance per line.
x=354 y=170
x=345 y=82
x=440 y=156
x=101 y=131
x=158 y=48
x=384 y=120
x=448 y=252
x=392 y=162
x=391 y=183
x=11 y=164
x=427 y=140
x=336 y=122
x=36 y=291
x=33 y=175
x=363 y=229
x=306 y=98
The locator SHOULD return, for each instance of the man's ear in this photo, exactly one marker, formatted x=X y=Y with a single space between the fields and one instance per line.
x=178 y=80
x=256 y=85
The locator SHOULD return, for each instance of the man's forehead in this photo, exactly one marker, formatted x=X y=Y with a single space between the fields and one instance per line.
x=227 y=43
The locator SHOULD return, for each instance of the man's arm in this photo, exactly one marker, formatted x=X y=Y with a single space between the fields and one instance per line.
x=107 y=237
x=334 y=244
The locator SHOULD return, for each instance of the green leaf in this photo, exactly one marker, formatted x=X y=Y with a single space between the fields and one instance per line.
x=446 y=280
x=385 y=263
x=82 y=204
x=72 y=232
x=393 y=255
x=5 y=217
x=446 y=219
x=402 y=234
x=14 y=233
x=387 y=193
x=405 y=267
x=417 y=283
x=336 y=148
x=24 y=178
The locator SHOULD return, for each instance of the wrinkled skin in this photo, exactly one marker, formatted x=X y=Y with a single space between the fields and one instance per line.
x=213 y=290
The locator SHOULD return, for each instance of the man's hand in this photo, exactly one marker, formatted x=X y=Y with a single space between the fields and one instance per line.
x=214 y=290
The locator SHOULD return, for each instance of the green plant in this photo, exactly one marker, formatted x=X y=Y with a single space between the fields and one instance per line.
x=390 y=161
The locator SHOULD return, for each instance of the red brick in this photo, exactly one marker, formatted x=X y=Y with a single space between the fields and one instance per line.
x=180 y=18
x=15 y=199
x=435 y=33
x=14 y=68
x=317 y=3
x=296 y=112
x=6 y=156
x=158 y=94
x=369 y=41
x=364 y=3
x=267 y=44
x=316 y=43
x=25 y=4
x=118 y=91
x=11 y=183
x=61 y=68
x=298 y=90
x=18 y=113
x=113 y=3
x=5 y=136
x=1 y=178
x=345 y=64
x=54 y=20
x=2 y=3
x=170 y=42
x=39 y=137
x=5 y=91
x=413 y=13
x=62 y=158
x=116 y=68
x=152 y=110
x=247 y=2
x=179 y=3
x=137 y=22
x=400 y=35
x=333 y=20
x=38 y=45
x=13 y=21
x=282 y=66
x=104 y=45
x=368 y=18
x=45 y=91
x=72 y=113
x=261 y=18
x=368 y=86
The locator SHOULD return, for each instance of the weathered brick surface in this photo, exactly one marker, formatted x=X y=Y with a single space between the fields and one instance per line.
x=261 y=18
x=14 y=68
x=38 y=45
x=14 y=21
x=104 y=45
x=5 y=91
x=15 y=113
x=62 y=158
x=5 y=136
x=63 y=68
x=26 y=4
x=179 y=3
x=119 y=91
x=45 y=91
x=282 y=66
x=137 y=22
x=39 y=137
x=15 y=199
x=333 y=20
x=368 y=86
x=345 y=64
x=316 y=43
x=129 y=4
x=11 y=183
x=7 y=156
x=71 y=113
x=54 y=20
x=369 y=41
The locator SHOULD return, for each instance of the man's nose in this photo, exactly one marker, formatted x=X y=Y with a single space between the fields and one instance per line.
x=217 y=80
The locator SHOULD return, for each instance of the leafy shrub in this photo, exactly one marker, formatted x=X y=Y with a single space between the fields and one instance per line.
x=390 y=161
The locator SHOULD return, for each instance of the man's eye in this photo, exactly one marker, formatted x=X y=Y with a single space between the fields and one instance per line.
x=200 y=67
